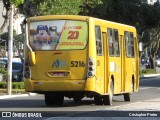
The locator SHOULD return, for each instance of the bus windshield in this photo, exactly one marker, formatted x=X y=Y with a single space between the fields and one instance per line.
x=58 y=35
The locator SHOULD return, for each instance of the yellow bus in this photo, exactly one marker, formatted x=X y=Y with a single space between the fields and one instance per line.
x=80 y=56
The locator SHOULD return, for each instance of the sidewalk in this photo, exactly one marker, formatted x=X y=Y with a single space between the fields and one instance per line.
x=4 y=96
x=146 y=105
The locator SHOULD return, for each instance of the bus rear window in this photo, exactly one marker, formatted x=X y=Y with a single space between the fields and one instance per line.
x=58 y=35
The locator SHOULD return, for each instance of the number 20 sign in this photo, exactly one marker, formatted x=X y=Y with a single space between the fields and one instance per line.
x=73 y=35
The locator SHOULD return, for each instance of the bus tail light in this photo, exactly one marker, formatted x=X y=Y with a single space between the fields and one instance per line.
x=90 y=68
x=27 y=68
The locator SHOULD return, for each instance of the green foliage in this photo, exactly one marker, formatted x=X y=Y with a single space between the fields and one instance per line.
x=3 y=85
x=21 y=85
x=123 y=11
x=59 y=7
x=3 y=71
x=92 y=8
x=16 y=2
x=148 y=71
x=51 y=7
x=150 y=15
x=17 y=38
x=15 y=85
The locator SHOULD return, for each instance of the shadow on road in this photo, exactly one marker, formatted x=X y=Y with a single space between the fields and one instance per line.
x=150 y=82
x=12 y=103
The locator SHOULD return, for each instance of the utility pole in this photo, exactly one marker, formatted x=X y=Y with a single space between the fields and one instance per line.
x=10 y=53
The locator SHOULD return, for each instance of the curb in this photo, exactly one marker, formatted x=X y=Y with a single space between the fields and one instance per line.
x=17 y=95
x=150 y=75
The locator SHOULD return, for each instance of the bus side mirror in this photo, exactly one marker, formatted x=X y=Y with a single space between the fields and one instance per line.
x=32 y=58
x=140 y=46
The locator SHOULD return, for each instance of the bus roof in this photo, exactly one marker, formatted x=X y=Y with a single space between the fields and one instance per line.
x=74 y=17
x=111 y=22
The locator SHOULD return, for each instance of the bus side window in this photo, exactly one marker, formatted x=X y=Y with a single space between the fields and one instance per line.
x=110 y=42
x=116 y=44
x=98 y=40
x=127 y=42
x=132 y=44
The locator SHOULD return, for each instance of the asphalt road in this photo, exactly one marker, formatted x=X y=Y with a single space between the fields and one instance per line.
x=149 y=89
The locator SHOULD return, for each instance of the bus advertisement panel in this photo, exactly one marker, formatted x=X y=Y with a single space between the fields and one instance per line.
x=58 y=35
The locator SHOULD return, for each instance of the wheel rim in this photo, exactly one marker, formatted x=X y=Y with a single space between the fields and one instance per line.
x=111 y=93
x=132 y=88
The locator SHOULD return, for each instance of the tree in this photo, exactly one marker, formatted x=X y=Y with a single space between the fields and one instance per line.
x=91 y=8
x=123 y=11
x=61 y=7
x=151 y=38
x=16 y=40
x=145 y=17
x=7 y=8
x=51 y=7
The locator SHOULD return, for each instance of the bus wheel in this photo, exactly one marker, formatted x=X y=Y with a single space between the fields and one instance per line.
x=127 y=96
x=77 y=99
x=98 y=100
x=49 y=99
x=108 y=99
x=59 y=98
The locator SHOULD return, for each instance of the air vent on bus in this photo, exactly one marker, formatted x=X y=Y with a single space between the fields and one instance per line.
x=90 y=68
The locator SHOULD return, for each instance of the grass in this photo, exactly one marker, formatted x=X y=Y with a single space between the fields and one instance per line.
x=148 y=71
x=14 y=91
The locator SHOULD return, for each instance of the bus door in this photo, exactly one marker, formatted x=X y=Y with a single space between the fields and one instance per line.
x=114 y=58
x=137 y=65
x=129 y=61
x=99 y=60
x=122 y=63
x=117 y=62
x=106 y=72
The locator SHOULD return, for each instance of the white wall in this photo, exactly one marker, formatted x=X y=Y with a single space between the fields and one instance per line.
x=17 y=24
x=16 y=21
x=1 y=9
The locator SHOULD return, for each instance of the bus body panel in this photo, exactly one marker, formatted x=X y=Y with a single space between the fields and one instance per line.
x=55 y=85
x=52 y=66
x=67 y=70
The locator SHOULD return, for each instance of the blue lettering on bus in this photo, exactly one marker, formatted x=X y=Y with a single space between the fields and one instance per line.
x=59 y=63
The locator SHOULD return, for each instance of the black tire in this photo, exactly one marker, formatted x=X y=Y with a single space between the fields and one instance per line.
x=59 y=99
x=98 y=100
x=127 y=96
x=55 y=99
x=77 y=99
x=49 y=100
x=108 y=99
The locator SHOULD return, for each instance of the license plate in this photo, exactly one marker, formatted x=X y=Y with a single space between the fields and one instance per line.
x=58 y=74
